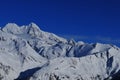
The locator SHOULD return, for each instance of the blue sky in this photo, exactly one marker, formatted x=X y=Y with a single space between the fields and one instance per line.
x=88 y=20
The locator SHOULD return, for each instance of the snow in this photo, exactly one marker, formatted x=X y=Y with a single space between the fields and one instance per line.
x=25 y=48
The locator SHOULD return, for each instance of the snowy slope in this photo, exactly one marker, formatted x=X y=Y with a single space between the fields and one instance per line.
x=91 y=67
x=28 y=53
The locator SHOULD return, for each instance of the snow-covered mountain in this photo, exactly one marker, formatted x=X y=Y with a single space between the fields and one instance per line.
x=28 y=53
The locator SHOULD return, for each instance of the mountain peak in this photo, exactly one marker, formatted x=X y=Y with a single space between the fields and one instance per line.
x=33 y=25
x=34 y=30
x=11 y=28
x=11 y=25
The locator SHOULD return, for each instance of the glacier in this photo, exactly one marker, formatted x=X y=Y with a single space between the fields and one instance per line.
x=28 y=53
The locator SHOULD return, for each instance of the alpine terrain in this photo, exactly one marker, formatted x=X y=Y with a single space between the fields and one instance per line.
x=28 y=53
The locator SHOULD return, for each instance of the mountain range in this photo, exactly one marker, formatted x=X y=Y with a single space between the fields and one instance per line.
x=28 y=53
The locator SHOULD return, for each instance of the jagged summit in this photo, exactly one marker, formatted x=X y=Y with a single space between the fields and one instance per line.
x=15 y=29
x=33 y=25
x=28 y=53
x=32 y=30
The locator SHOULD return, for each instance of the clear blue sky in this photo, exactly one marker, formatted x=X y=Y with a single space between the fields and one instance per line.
x=88 y=20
